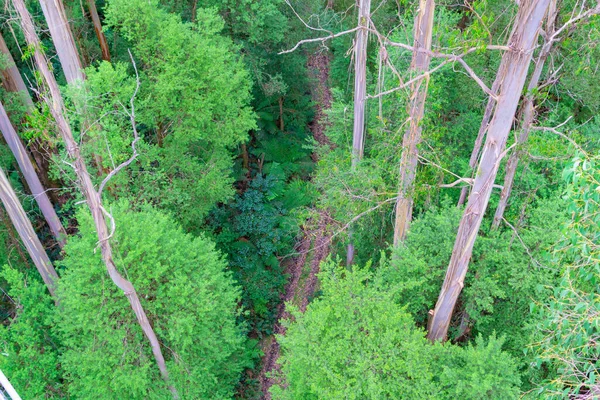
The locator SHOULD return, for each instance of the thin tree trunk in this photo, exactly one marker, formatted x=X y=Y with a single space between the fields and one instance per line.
x=527 y=121
x=360 y=94
x=56 y=17
x=98 y=29
x=90 y=194
x=28 y=236
x=412 y=137
x=28 y=171
x=11 y=78
x=487 y=116
x=281 y=123
x=517 y=60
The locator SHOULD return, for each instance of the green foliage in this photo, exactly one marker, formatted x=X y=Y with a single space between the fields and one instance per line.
x=30 y=349
x=565 y=341
x=257 y=230
x=194 y=102
x=354 y=342
x=189 y=298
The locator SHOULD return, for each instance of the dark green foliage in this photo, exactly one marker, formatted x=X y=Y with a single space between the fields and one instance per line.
x=257 y=230
x=186 y=293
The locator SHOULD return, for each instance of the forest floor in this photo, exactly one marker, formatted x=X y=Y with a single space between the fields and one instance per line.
x=315 y=239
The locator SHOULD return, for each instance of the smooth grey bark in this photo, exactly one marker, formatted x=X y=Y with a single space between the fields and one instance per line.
x=412 y=137
x=98 y=29
x=23 y=226
x=33 y=181
x=527 y=119
x=90 y=194
x=11 y=78
x=516 y=64
x=360 y=94
x=62 y=37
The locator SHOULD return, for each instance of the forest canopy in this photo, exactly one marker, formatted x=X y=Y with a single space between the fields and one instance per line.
x=285 y=199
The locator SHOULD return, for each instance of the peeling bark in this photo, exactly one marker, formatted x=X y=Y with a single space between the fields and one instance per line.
x=527 y=120
x=412 y=137
x=90 y=194
x=516 y=61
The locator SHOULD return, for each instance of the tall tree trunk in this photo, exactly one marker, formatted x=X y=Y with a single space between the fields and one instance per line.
x=11 y=78
x=28 y=236
x=98 y=29
x=517 y=59
x=360 y=94
x=28 y=171
x=56 y=17
x=412 y=137
x=487 y=116
x=527 y=120
x=90 y=194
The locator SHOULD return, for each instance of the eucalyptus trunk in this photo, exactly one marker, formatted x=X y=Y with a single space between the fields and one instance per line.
x=23 y=226
x=62 y=37
x=90 y=194
x=515 y=64
x=11 y=77
x=527 y=119
x=412 y=137
x=31 y=178
x=98 y=29
x=360 y=94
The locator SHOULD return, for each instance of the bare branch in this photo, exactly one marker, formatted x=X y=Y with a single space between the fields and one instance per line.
x=320 y=39
x=134 y=128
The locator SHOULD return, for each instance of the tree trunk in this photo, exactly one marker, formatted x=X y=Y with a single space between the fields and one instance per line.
x=528 y=117
x=360 y=94
x=11 y=78
x=56 y=17
x=412 y=137
x=90 y=194
x=98 y=30
x=516 y=60
x=487 y=116
x=28 y=236
x=28 y=171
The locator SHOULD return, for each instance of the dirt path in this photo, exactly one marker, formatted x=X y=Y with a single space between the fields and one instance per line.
x=315 y=241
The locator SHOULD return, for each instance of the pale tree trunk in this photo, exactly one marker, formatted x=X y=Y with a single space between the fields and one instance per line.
x=412 y=137
x=11 y=78
x=28 y=236
x=487 y=116
x=516 y=60
x=28 y=171
x=98 y=29
x=360 y=94
x=56 y=17
x=90 y=194
x=528 y=108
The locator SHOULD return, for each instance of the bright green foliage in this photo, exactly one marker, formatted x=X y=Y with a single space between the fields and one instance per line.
x=354 y=342
x=186 y=293
x=194 y=98
x=566 y=340
x=30 y=350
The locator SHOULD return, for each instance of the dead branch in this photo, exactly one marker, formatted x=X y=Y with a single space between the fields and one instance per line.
x=136 y=136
